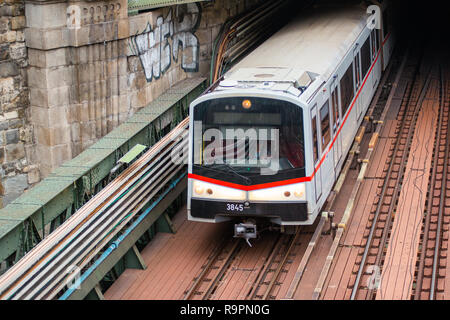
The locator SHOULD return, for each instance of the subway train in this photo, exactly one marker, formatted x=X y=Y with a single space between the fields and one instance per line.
x=269 y=140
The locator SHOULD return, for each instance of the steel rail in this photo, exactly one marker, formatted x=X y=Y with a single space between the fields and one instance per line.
x=100 y=223
x=396 y=194
x=420 y=276
x=263 y=273
x=30 y=269
x=355 y=191
x=53 y=291
x=141 y=193
x=97 y=233
x=21 y=268
x=281 y=265
x=205 y=270
x=385 y=185
x=103 y=216
x=223 y=269
x=439 y=230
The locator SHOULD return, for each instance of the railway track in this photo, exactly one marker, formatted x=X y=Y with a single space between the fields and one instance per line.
x=268 y=271
x=278 y=262
x=213 y=271
x=374 y=122
x=430 y=274
x=271 y=275
x=380 y=221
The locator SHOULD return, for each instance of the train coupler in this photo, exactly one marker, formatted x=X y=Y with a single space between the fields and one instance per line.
x=246 y=230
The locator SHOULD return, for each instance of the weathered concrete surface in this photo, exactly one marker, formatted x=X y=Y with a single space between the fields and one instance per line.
x=71 y=71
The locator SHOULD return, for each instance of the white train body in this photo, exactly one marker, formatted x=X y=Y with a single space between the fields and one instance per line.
x=327 y=63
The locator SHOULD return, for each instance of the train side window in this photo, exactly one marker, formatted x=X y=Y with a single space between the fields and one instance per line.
x=315 y=139
x=325 y=127
x=357 y=71
x=347 y=89
x=377 y=39
x=375 y=43
x=335 y=106
x=365 y=58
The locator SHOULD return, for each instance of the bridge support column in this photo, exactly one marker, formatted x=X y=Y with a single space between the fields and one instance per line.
x=164 y=224
x=77 y=74
x=134 y=260
x=95 y=294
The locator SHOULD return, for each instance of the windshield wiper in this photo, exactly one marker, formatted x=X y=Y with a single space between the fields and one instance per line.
x=230 y=169
x=233 y=170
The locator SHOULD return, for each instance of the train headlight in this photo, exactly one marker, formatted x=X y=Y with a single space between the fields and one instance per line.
x=294 y=192
x=217 y=192
x=300 y=192
x=198 y=188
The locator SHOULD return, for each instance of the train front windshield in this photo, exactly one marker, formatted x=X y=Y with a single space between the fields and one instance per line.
x=248 y=141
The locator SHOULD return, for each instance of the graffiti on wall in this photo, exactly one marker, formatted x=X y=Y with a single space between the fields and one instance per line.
x=173 y=36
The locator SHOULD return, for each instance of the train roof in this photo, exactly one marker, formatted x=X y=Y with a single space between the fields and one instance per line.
x=311 y=46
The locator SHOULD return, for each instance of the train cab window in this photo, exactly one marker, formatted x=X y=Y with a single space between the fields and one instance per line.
x=325 y=127
x=315 y=139
x=335 y=107
x=365 y=58
x=347 y=89
x=248 y=140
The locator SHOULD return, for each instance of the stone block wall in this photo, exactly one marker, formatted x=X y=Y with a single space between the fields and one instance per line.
x=73 y=70
x=16 y=169
x=77 y=75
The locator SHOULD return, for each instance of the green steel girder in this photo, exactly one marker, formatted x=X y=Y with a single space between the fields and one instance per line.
x=65 y=188
x=164 y=224
x=95 y=294
x=128 y=242
x=134 y=260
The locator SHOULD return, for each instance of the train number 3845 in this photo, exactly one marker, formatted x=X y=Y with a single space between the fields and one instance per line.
x=235 y=207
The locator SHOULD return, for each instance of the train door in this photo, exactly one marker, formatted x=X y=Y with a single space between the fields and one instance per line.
x=337 y=147
x=357 y=80
x=316 y=152
x=327 y=164
x=375 y=46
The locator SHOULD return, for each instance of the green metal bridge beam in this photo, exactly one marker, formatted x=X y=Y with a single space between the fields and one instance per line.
x=133 y=259
x=92 y=280
x=68 y=187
